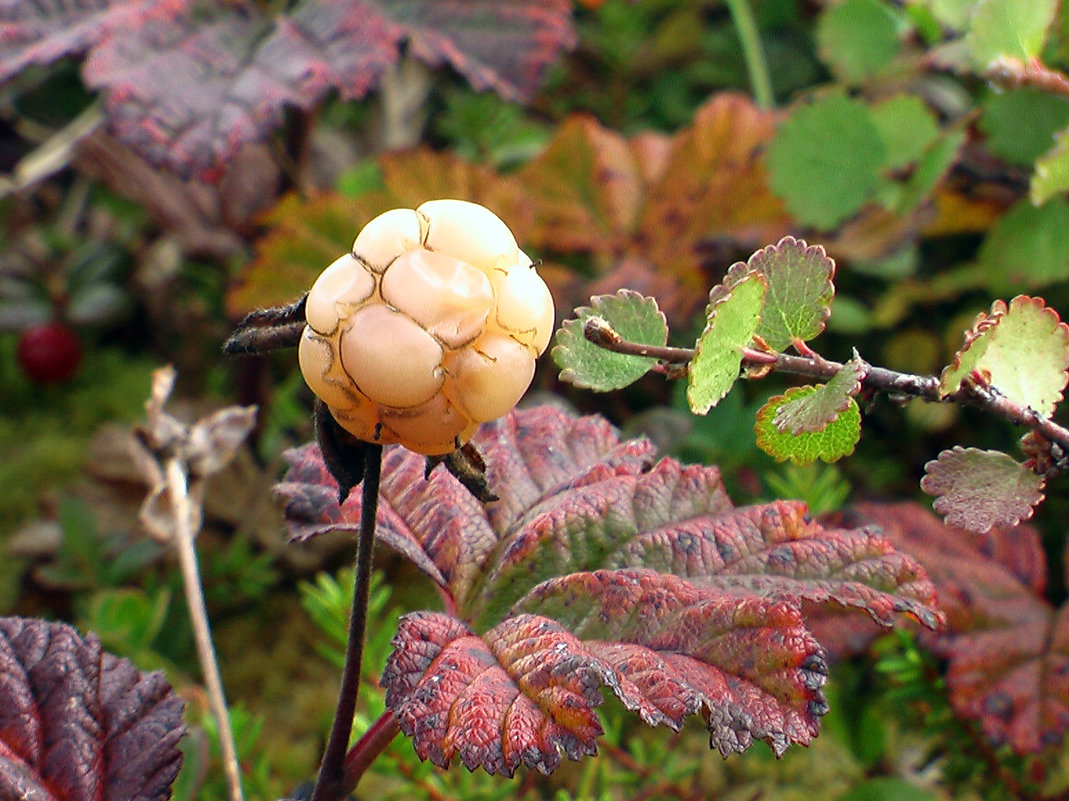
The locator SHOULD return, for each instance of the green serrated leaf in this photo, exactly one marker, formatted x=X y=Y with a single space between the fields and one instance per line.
x=815 y=411
x=633 y=317
x=979 y=490
x=732 y=321
x=858 y=38
x=1020 y=124
x=1008 y=29
x=1027 y=247
x=799 y=279
x=907 y=126
x=1052 y=171
x=834 y=441
x=827 y=160
x=1022 y=349
x=930 y=168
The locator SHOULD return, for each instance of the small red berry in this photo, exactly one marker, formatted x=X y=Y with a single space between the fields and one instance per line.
x=49 y=353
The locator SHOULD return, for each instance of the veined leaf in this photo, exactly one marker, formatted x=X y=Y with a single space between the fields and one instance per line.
x=1006 y=646
x=826 y=161
x=1021 y=349
x=187 y=89
x=834 y=441
x=800 y=289
x=79 y=723
x=980 y=490
x=1008 y=29
x=596 y=569
x=815 y=411
x=632 y=316
x=732 y=319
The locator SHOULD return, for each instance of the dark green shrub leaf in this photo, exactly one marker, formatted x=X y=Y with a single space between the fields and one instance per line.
x=1027 y=246
x=632 y=316
x=1008 y=136
x=826 y=160
x=858 y=38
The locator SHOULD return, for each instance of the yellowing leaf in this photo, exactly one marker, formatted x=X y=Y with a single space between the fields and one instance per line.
x=1021 y=349
x=813 y=412
x=836 y=440
x=733 y=318
x=713 y=182
x=587 y=189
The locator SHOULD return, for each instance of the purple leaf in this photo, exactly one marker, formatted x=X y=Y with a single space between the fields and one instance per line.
x=188 y=89
x=40 y=33
x=80 y=724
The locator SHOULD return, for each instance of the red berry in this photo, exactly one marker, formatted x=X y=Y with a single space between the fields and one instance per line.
x=49 y=353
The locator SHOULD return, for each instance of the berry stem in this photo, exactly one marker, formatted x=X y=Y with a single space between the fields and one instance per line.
x=330 y=784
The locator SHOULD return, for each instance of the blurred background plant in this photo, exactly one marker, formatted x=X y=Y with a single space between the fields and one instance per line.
x=638 y=143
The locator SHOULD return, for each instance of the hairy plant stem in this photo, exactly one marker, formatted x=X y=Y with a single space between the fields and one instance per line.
x=331 y=784
x=178 y=486
x=752 y=52
x=880 y=379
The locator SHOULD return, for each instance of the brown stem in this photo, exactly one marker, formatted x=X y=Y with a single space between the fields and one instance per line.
x=877 y=378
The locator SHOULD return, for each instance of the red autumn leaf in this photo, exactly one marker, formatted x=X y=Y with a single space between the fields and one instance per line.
x=39 y=33
x=77 y=723
x=1006 y=646
x=643 y=575
x=187 y=83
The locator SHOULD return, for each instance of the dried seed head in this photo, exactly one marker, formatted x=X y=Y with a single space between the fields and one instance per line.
x=431 y=326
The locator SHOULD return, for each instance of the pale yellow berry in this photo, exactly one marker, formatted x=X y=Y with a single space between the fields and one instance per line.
x=448 y=297
x=430 y=327
x=390 y=357
x=323 y=372
x=524 y=305
x=388 y=236
x=335 y=295
x=487 y=379
x=431 y=428
x=469 y=232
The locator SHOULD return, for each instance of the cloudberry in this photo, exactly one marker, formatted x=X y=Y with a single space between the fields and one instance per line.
x=430 y=326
